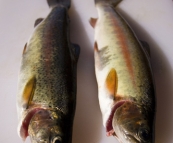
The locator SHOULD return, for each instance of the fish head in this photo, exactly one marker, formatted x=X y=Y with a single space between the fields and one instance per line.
x=46 y=127
x=131 y=124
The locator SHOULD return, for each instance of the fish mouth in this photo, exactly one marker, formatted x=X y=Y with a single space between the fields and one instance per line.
x=109 y=127
x=23 y=130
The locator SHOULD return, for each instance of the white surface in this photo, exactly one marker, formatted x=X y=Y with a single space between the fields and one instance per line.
x=152 y=21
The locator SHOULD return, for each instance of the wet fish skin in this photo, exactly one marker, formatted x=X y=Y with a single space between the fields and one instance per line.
x=124 y=76
x=46 y=98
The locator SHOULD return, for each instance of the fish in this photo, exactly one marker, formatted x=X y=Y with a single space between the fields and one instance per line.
x=46 y=97
x=126 y=89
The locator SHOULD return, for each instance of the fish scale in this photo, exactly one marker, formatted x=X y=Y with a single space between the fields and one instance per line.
x=47 y=81
x=124 y=77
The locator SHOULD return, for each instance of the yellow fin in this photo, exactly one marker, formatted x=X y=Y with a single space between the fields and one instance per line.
x=112 y=82
x=28 y=92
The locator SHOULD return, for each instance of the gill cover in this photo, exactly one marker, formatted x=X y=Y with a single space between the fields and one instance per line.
x=131 y=125
x=44 y=127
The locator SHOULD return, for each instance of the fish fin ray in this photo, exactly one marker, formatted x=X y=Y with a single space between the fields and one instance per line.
x=112 y=82
x=92 y=22
x=38 y=21
x=28 y=92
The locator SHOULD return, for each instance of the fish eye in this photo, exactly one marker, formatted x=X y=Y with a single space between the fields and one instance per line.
x=144 y=134
x=57 y=140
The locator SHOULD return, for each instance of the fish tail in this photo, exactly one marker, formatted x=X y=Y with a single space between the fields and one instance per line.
x=53 y=3
x=111 y=2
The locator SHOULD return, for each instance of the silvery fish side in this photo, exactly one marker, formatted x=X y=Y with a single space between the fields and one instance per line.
x=124 y=76
x=46 y=97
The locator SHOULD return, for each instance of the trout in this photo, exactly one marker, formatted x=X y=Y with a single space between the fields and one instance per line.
x=124 y=76
x=46 y=98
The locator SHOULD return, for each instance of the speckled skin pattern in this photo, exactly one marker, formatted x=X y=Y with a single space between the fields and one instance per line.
x=116 y=47
x=50 y=58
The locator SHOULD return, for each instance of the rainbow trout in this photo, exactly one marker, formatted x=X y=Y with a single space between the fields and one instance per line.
x=125 y=81
x=47 y=81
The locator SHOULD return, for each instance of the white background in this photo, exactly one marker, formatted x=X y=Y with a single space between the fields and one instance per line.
x=152 y=21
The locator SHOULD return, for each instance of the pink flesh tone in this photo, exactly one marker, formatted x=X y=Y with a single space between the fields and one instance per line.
x=109 y=128
x=26 y=121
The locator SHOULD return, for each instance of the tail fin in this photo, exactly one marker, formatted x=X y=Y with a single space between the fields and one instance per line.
x=53 y=3
x=111 y=2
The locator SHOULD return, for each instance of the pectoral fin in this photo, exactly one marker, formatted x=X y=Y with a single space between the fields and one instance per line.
x=28 y=92
x=112 y=82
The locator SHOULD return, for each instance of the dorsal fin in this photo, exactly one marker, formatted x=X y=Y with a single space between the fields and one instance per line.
x=38 y=21
x=112 y=82
x=92 y=22
x=28 y=92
